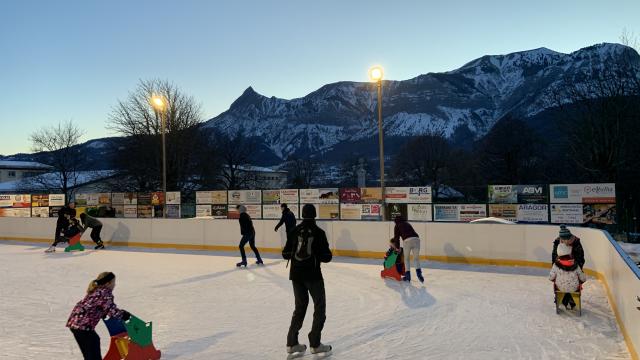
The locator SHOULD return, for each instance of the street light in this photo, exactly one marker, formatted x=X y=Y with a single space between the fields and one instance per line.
x=375 y=74
x=159 y=104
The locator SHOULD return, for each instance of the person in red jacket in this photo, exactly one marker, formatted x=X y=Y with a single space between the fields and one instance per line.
x=411 y=244
x=97 y=304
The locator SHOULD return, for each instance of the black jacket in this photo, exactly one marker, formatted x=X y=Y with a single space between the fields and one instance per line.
x=246 y=224
x=288 y=219
x=577 y=252
x=309 y=269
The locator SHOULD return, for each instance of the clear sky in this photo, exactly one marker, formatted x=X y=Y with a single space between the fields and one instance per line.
x=72 y=60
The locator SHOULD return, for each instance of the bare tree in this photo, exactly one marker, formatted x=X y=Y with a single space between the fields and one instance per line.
x=302 y=171
x=59 y=146
x=235 y=152
x=141 y=125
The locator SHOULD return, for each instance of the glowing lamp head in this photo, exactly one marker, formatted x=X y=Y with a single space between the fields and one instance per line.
x=376 y=73
x=158 y=102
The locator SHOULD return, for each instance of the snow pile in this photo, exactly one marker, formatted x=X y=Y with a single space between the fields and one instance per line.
x=202 y=307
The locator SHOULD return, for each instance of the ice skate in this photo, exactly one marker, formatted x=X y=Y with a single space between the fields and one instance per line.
x=259 y=262
x=241 y=264
x=419 y=275
x=51 y=249
x=99 y=245
x=407 y=276
x=322 y=348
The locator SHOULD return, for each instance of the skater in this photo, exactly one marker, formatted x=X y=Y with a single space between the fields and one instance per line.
x=565 y=237
x=96 y=228
x=248 y=236
x=97 y=304
x=64 y=214
x=411 y=244
x=566 y=275
x=288 y=219
x=307 y=247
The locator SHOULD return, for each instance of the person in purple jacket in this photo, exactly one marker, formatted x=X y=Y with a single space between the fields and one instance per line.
x=410 y=244
x=97 y=304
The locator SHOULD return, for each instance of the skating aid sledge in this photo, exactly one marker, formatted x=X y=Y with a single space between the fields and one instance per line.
x=130 y=340
x=391 y=267
x=575 y=296
x=74 y=244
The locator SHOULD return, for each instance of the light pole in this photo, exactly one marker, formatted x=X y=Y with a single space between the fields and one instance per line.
x=160 y=105
x=375 y=74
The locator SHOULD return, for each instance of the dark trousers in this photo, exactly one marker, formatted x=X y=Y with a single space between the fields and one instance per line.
x=57 y=238
x=95 y=234
x=301 y=291
x=89 y=343
x=251 y=239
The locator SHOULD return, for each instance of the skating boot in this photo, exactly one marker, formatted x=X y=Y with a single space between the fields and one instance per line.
x=321 y=349
x=419 y=275
x=299 y=348
x=259 y=262
x=51 y=249
x=99 y=245
x=241 y=264
x=407 y=276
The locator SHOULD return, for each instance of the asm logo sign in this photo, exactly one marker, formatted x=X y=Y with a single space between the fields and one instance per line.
x=561 y=192
x=532 y=190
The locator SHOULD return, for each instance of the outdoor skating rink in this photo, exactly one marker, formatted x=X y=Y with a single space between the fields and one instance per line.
x=202 y=307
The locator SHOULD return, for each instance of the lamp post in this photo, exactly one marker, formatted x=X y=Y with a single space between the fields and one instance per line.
x=159 y=103
x=375 y=75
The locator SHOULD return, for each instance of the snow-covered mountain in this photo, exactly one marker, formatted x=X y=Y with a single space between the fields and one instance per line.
x=473 y=97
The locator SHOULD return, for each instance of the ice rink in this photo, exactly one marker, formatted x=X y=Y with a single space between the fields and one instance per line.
x=202 y=307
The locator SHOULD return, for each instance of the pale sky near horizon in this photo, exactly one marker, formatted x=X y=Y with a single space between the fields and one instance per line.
x=73 y=60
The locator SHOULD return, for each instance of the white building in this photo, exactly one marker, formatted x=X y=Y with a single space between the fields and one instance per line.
x=11 y=170
x=256 y=177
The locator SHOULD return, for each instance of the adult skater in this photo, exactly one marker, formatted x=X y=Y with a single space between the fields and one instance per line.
x=411 y=244
x=288 y=219
x=97 y=304
x=307 y=247
x=96 y=227
x=64 y=214
x=248 y=236
x=566 y=237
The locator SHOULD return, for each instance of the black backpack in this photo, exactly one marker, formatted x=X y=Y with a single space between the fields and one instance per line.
x=304 y=246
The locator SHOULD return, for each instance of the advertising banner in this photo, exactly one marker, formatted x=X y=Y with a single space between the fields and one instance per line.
x=211 y=197
x=130 y=211
x=327 y=211
x=350 y=196
x=53 y=211
x=319 y=196
x=130 y=199
x=81 y=199
x=173 y=198
x=419 y=212
x=173 y=211
x=117 y=198
x=157 y=198
x=533 y=213
x=104 y=199
x=41 y=211
x=281 y=196
x=371 y=212
x=205 y=210
x=56 y=199
x=503 y=194
x=600 y=214
x=371 y=195
x=275 y=212
x=446 y=212
x=119 y=209
x=566 y=213
x=504 y=211
x=38 y=200
x=93 y=199
x=254 y=210
x=219 y=211
x=405 y=195
x=350 y=211
x=532 y=194
x=15 y=212
x=395 y=209
x=144 y=199
x=470 y=212
x=145 y=211
x=244 y=197
x=16 y=201
x=583 y=193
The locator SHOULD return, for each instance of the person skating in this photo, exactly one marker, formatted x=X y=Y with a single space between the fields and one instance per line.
x=565 y=237
x=410 y=244
x=96 y=227
x=248 y=236
x=97 y=304
x=64 y=214
x=288 y=219
x=566 y=275
x=307 y=247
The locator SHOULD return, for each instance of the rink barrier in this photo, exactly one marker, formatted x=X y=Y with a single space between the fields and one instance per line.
x=473 y=244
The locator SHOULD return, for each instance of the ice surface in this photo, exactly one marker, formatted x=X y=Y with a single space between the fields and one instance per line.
x=202 y=307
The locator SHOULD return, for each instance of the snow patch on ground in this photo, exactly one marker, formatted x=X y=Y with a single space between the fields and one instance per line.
x=202 y=307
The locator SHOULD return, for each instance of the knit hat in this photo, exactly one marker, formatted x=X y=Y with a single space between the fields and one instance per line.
x=563 y=250
x=564 y=232
x=242 y=209
x=308 y=211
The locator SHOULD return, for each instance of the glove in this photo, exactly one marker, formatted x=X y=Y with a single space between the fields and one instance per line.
x=126 y=315
x=275 y=229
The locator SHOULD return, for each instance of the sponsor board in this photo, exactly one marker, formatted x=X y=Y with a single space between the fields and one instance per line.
x=56 y=199
x=533 y=213
x=419 y=212
x=504 y=211
x=583 y=193
x=244 y=197
x=406 y=195
x=600 y=214
x=320 y=196
x=566 y=213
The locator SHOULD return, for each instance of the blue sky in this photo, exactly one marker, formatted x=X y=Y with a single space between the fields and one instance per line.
x=72 y=60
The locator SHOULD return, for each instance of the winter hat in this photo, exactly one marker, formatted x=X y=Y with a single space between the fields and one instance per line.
x=563 y=250
x=564 y=232
x=242 y=209
x=308 y=211
x=398 y=219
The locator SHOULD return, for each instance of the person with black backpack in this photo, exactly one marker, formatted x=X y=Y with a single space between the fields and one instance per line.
x=306 y=248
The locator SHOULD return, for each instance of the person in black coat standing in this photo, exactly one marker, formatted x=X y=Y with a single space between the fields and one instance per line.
x=307 y=247
x=566 y=237
x=288 y=219
x=64 y=215
x=248 y=236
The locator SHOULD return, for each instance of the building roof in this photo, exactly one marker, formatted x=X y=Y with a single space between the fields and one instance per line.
x=26 y=165
x=41 y=182
x=251 y=168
